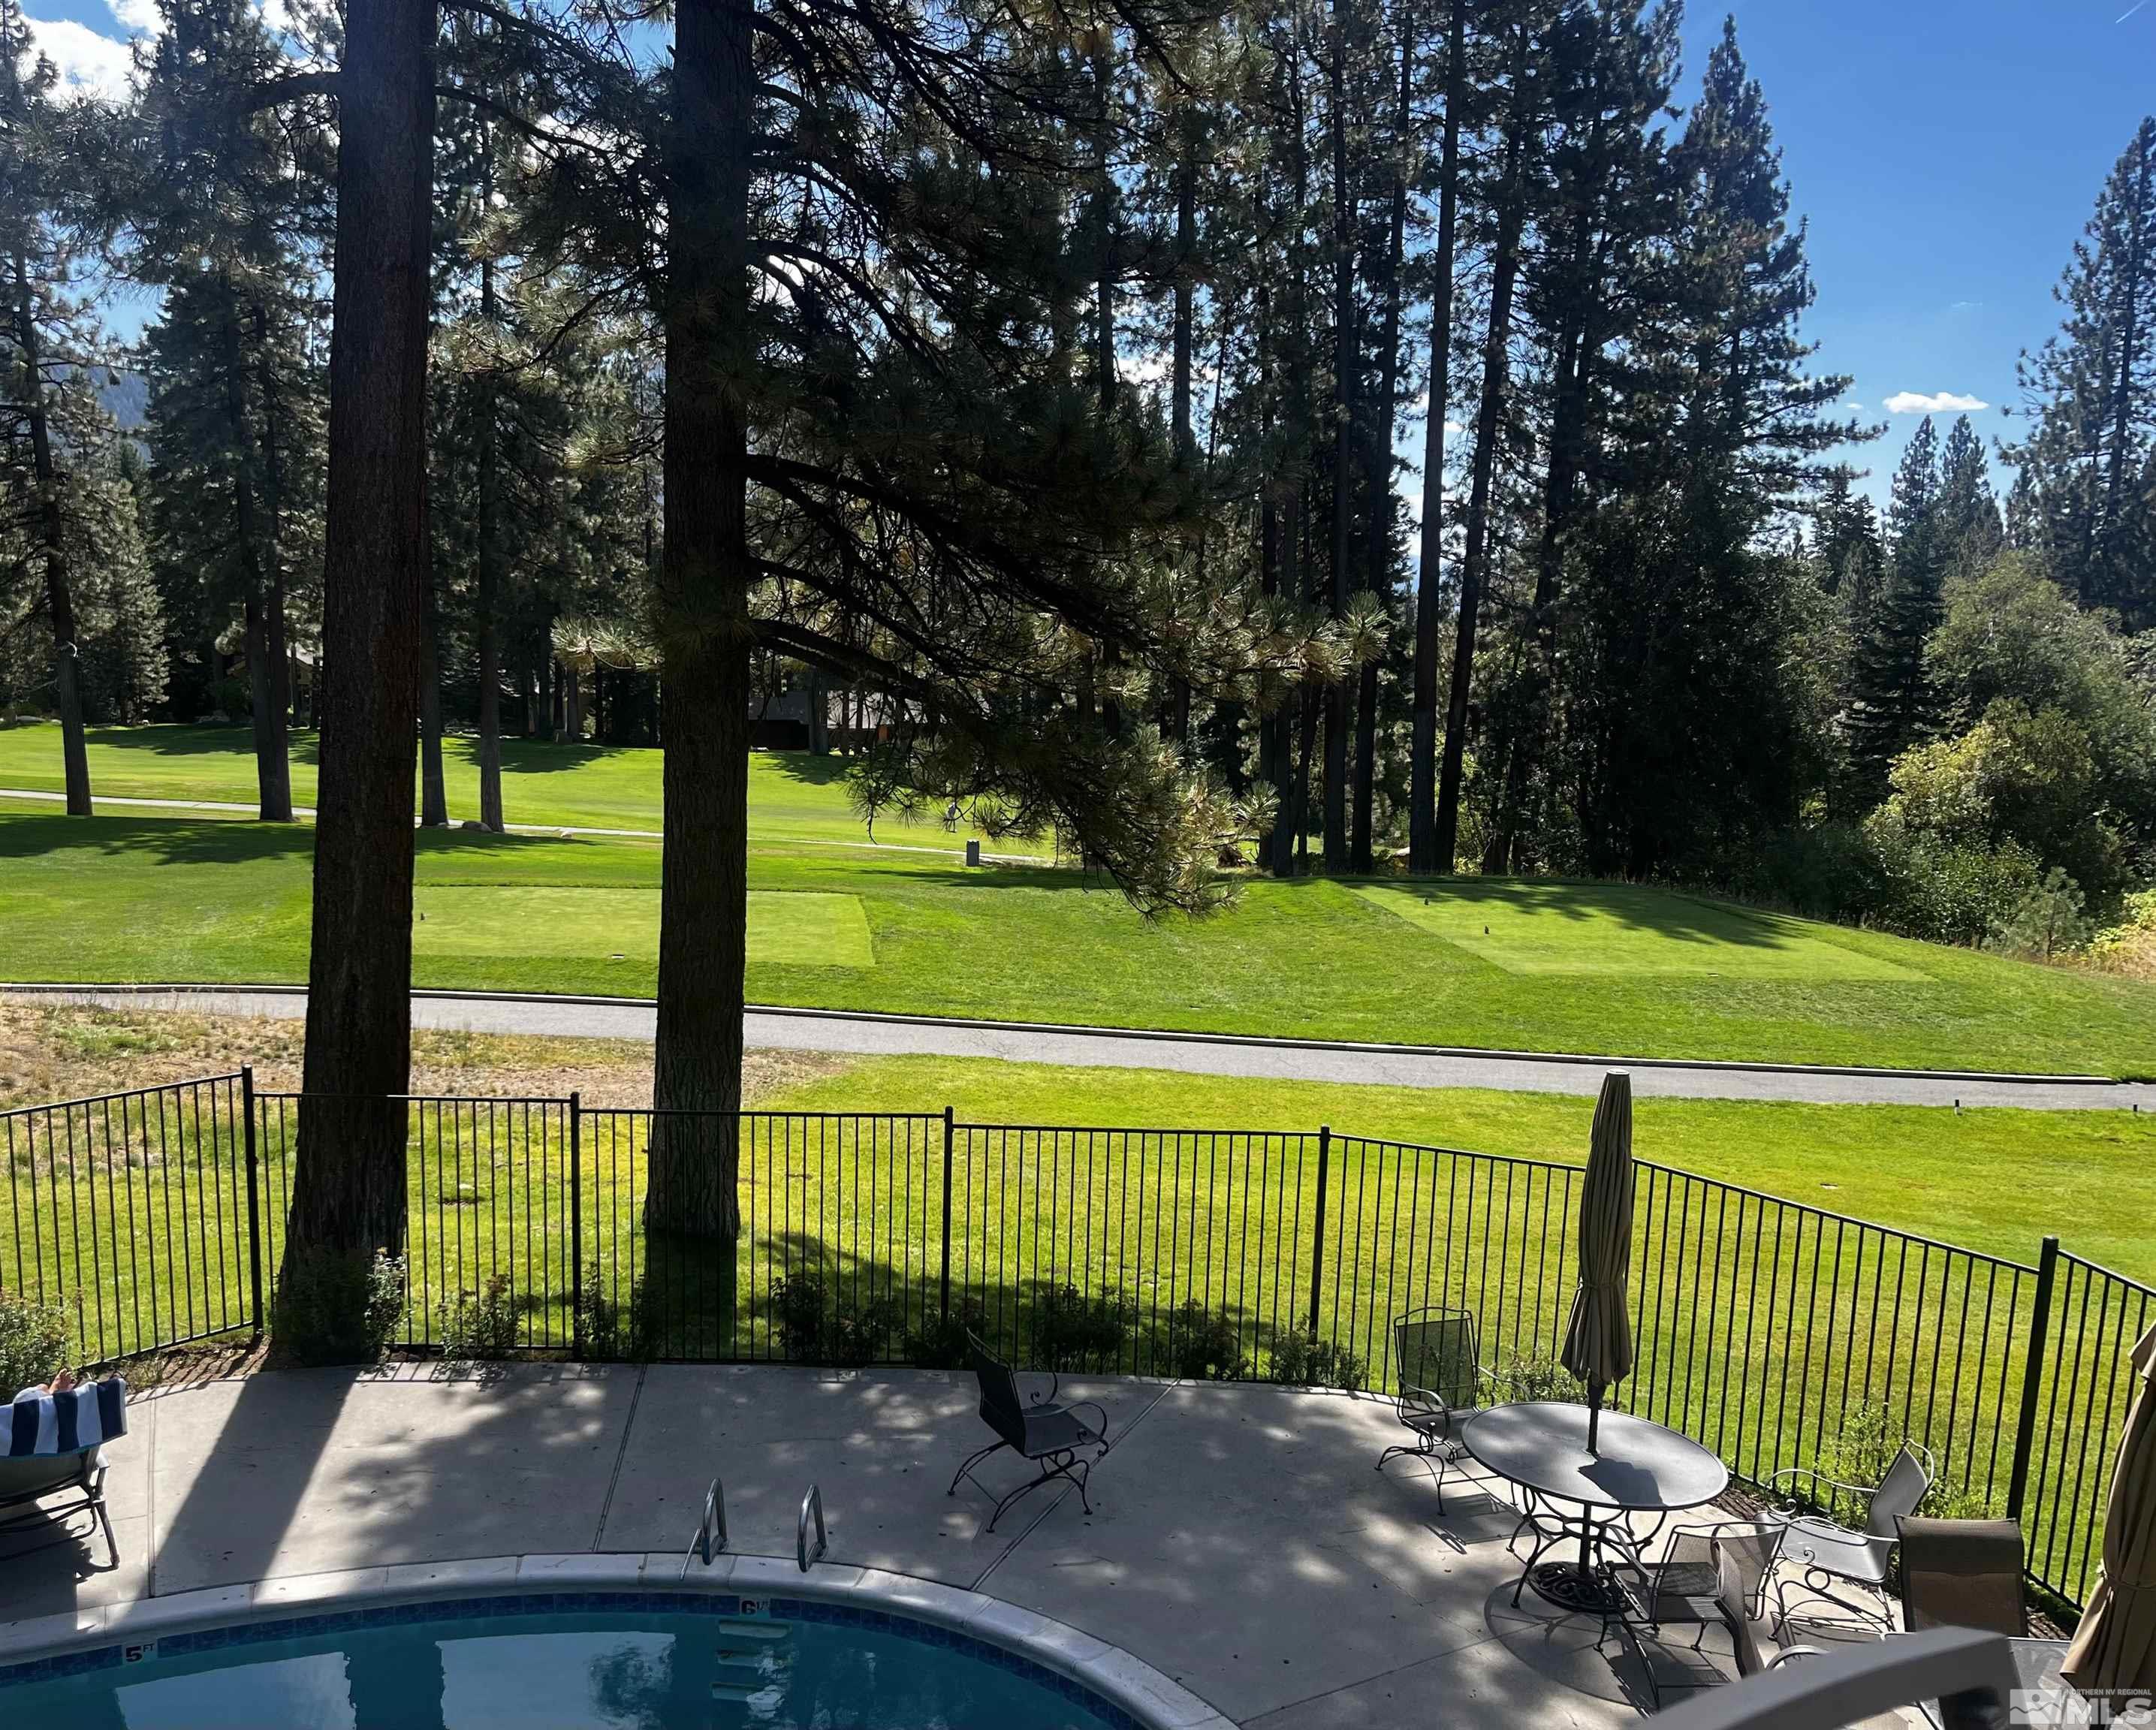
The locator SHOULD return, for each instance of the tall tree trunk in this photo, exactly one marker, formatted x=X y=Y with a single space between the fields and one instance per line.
x=1104 y=220
x=704 y=592
x=273 y=777
x=52 y=527
x=1422 y=750
x=1379 y=548
x=1346 y=366
x=275 y=791
x=488 y=598
x=348 y=1188
x=1534 y=713
x=1489 y=429
x=433 y=791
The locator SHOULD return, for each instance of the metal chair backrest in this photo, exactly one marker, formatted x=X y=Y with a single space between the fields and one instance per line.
x=1899 y=1494
x=1964 y=1574
x=1437 y=1349
x=1752 y=1547
x=1002 y=1410
x=1735 y=1604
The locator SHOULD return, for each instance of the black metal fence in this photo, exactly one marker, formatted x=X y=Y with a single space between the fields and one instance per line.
x=1763 y=1325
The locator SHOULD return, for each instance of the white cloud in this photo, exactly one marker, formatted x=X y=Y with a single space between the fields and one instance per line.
x=138 y=15
x=1939 y=402
x=1854 y=408
x=87 y=61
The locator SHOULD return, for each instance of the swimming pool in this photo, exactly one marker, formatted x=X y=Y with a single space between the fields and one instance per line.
x=577 y=1661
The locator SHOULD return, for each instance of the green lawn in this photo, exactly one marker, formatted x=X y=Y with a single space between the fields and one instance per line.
x=133 y=897
x=1991 y=1180
x=792 y=795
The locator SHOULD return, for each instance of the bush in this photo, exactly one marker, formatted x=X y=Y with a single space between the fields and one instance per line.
x=1205 y=1345
x=1863 y=1449
x=1535 y=1377
x=337 y=1308
x=815 y=1328
x=481 y=1326
x=1300 y=1362
x=1072 y=1331
x=941 y=1344
x=35 y=1339
x=612 y=1330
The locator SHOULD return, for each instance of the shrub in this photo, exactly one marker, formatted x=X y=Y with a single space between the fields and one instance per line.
x=35 y=1339
x=334 y=1307
x=1536 y=1377
x=1205 y=1345
x=614 y=1330
x=941 y=1344
x=1299 y=1360
x=815 y=1328
x=1863 y=1449
x=1072 y=1331
x=481 y=1326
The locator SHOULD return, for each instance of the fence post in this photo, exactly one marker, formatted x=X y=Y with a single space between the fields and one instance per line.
x=577 y=1224
x=1317 y=1227
x=2032 y=1378
x=253 y=1198
x=944 y=1283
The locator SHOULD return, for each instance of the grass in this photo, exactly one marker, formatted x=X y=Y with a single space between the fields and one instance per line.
x=1620 y=969
x=792 y=795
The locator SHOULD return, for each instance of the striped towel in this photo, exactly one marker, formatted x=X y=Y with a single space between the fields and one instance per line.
x=67 y=1423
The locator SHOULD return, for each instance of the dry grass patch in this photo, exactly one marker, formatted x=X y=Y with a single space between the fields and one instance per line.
x=51 y=1052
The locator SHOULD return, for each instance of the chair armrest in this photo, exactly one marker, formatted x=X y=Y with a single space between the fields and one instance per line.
x=1096 y=1408
x=1786 y=1653
x=1047 y=1397
x=1813 y=1477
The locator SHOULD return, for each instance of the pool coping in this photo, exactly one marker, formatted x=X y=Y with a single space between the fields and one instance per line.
x=1108 y=1670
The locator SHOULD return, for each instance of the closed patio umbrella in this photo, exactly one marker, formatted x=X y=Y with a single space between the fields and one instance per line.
x=1598 y=1341
x=2115 y=1646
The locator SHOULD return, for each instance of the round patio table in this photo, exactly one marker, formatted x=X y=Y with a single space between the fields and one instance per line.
x=1637 y=1467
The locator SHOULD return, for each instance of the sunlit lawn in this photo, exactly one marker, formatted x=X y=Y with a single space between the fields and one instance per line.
x=1653 y=973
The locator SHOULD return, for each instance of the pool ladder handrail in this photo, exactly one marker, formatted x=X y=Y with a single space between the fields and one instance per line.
x=711 y=1535
x=812 y=1508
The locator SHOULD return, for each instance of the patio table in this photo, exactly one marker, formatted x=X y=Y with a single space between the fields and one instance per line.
x=1637 y=1467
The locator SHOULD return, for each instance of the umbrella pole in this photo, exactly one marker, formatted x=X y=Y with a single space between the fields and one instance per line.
x=1594 y=1413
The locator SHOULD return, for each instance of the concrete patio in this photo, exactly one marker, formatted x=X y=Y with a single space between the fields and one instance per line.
x=1239 y=1541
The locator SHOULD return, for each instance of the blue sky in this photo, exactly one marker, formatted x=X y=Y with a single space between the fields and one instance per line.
x=1946 y=152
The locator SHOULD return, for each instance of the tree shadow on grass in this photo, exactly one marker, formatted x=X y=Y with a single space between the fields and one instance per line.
x=1681 y=918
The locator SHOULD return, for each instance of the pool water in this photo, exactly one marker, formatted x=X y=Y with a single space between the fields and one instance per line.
x=509 y=1664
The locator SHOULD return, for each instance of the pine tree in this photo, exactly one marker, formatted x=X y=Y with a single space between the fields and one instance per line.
x=2091 y=392
x=49 y=345
x=1969 y=529
x=1893 y=703
x=224 y=201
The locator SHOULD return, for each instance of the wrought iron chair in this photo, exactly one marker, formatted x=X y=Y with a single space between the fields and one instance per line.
x=1962 y=1573
x=1734 y=1598
x=1044 y=1431
x=1685 y=1585
x=1443 y=1383
x=1830 y=1552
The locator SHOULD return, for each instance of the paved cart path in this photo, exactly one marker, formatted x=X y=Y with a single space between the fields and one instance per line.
x=1194 y=1054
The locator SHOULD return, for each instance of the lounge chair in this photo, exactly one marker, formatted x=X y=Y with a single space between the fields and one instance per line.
x=1829 y=1551
x=1962 y=1573
x=1043 y=1429
x=1442 y=1384
x=55 y=1442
